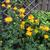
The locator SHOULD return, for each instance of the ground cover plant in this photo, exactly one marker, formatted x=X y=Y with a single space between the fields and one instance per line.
x=19 y=31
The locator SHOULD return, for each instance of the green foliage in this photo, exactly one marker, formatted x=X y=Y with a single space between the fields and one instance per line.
x=11 y=34
x=12 y=37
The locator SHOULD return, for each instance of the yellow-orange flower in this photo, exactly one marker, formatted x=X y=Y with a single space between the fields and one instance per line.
x=23 y=22
x=8 y=6
x=8 y=19
x=22 y=25
x=22 y=10
x=15 y=8
x=3 y=5
x=45 y=28
x=42 y=27
x=31 y=21
x=29 y=33
x=7 y=1
x=37 y=21
x=30 y=17
x=46 y=36
x=29 y=29
x=22 y=15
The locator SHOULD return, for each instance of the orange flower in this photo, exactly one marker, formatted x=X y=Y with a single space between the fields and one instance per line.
x=30 y=17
